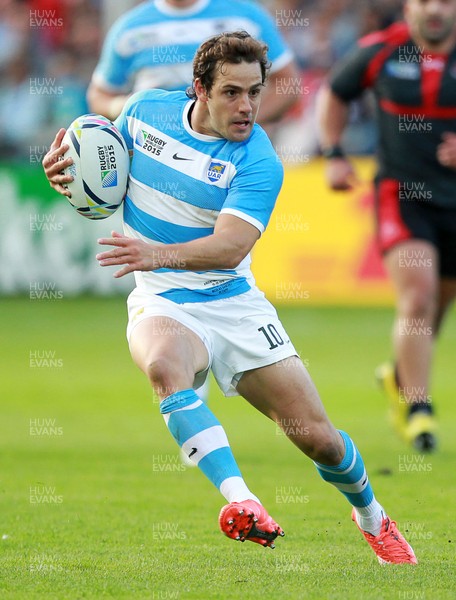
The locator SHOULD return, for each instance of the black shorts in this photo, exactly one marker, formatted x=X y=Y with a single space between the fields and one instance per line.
x=400 y=218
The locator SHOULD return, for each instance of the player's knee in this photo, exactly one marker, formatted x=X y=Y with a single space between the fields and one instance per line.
x=420 y=301
x=323 y=445
x=168 y=374
x=161 y=372
x=327 y=452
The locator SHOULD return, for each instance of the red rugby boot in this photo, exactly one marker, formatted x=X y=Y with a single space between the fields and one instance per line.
x=389 y=545
x=248 y=520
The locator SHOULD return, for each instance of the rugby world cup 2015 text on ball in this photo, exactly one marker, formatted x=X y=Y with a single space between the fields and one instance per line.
x=100 y=166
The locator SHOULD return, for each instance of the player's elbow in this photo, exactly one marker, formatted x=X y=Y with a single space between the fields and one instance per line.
x=93 y=97
x=231 y=242
x=232 y=261
x=284 y=89
x=227 y=260
x=234 y=256
x=296 y=86
x=104 y=103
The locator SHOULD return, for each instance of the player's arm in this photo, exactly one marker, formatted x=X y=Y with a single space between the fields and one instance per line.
x=347 y=81
x=104 y=102
x=110 y=85
x=53 y=164
x=225 y=248
x=280 y=94
x=333 y=119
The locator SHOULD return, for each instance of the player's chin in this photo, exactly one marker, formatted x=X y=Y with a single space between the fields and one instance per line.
x=239 y=133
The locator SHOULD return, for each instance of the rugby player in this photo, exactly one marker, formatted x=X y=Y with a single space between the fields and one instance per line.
x=411 y=68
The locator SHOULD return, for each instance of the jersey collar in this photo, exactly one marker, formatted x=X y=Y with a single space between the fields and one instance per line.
x=186 y=123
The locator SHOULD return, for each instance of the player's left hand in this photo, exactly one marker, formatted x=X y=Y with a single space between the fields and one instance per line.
x=135 y=254
x=446 y=150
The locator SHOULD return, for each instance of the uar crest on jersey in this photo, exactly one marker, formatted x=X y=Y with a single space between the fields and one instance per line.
x=215 y=170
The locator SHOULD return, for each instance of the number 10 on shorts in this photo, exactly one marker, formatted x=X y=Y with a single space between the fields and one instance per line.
x=272 y=335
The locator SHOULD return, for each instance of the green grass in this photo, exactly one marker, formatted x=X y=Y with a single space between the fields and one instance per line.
x=96 y=507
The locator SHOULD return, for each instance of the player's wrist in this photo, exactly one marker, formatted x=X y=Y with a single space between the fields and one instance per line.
x=333 y=151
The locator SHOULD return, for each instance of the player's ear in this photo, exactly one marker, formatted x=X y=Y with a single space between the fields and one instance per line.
x=200 y=90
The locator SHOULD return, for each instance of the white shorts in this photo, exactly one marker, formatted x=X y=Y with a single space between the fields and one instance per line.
x=240 y=333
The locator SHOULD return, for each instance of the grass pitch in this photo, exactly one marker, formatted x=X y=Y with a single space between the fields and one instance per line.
x=95 y=503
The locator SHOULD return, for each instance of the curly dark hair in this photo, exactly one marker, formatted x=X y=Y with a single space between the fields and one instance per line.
x=232 y=48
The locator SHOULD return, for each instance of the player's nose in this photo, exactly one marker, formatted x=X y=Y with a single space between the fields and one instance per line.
x=245 y=105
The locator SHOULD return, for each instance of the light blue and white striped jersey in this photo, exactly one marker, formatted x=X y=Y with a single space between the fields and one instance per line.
x=181 y=180
x=153 y=45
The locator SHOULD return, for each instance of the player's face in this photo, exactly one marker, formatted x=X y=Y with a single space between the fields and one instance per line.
x=233 y=102
x=433 y=20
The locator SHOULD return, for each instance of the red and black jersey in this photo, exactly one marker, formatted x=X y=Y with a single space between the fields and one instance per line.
x=415 y=95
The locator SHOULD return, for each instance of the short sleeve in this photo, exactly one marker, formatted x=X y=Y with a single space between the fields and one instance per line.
x=254 y=190
x=278 y=53
x=112 y=70
x=350 y=78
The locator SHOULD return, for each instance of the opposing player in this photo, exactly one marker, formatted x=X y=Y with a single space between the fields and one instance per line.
x=153 y=45
x=196 y=306
x=411 y=67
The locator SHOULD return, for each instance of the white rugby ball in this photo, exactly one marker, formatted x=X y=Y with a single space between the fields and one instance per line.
x=100 y=168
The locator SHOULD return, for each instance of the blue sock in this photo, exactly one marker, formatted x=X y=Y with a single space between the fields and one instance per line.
x=350 y=478
x=203 y=439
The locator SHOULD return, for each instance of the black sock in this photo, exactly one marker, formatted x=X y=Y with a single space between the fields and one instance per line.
x=422 y=406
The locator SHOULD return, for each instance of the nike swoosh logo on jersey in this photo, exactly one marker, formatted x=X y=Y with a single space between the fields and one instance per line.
x=180 y=157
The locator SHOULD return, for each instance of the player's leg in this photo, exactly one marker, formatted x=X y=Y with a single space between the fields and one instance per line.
x=285 y=393
x=170 y=354
x=203 y=393
x=417 y=290
x=413 y=267
x=168 y=358
x=409 y=238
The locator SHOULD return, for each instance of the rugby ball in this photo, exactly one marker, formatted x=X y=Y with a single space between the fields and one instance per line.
x=100 y=166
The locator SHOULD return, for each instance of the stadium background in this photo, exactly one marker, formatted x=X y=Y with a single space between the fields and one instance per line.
x=319 y=247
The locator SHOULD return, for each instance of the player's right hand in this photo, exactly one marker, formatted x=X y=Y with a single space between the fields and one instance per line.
x=340 y=174
x=446 y=150
x=54 y=163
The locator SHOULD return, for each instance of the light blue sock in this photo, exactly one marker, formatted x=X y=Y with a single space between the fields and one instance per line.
x=350 y=478
x=203 y=439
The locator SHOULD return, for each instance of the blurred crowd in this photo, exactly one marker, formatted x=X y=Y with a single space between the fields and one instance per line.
x=49 y=48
